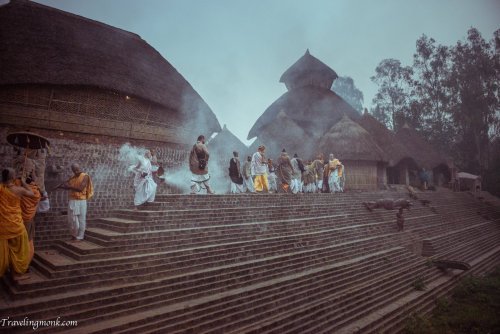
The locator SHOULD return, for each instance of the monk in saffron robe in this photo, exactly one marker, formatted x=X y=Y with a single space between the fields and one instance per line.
x=80 y=190
x=14 y=244
x=284 y=171
x=335 y=171
x=29 y=207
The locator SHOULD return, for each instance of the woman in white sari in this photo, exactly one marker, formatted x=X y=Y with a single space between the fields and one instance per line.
x=144 y=185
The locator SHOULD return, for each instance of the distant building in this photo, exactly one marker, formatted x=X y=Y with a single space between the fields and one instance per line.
x=310 y=108
x=225 y=143
x=310 y=119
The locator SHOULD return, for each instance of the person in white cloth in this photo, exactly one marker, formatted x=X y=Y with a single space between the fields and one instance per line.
x=144 y=185
x=198 y=164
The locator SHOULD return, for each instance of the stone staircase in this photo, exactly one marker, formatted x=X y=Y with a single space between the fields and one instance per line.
x=266 y=263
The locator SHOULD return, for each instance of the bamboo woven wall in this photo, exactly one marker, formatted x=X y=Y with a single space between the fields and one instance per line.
x=361 y=175
x=87 y=110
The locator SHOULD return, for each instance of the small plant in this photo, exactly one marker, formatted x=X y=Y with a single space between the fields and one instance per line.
x=417 y=324
x=419 y=284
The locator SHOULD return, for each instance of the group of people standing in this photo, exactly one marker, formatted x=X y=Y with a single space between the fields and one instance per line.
x=288 y=175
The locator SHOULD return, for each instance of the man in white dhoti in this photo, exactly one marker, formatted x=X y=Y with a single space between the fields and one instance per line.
x=335 y=173
x=271 y=176
x=80 y=190
x=198 y=164
x=235 y=175
x=298 y=168
x=144 y=185
x=247 y=175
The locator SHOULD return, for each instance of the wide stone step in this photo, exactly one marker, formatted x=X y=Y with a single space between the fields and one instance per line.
x=222 y=301
x=284 y=298
x=440 y=243
x=158 y=223
x=392 y=319
x=235 y=231
x=117 y=275
x=177 y=292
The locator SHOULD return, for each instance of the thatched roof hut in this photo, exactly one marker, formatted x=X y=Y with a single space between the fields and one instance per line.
x=347 y=140
x=309 y=101
x=314 y=109
x=225 y=142
x=284 y=132
x=421 y=151
x=46 y=46
x=308 y=70
x=385 y=139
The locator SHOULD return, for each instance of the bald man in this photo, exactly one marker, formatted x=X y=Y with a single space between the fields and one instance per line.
x=80 y=190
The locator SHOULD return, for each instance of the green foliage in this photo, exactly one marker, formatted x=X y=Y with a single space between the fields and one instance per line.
x=450 y=95
x=473 y=308
x=419 y=284
x=392 y=100
x=346 y=89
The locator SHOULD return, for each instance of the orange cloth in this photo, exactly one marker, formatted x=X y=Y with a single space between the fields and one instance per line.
x=15 y=253
x=11 y=220
x=76 y=182
x=333 y=164
x=261 y=183
x=28 y=204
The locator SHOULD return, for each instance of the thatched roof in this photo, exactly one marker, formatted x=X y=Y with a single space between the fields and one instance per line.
x=347 y=140
x=385 y=139
x=44 y=45
x=315 y=109
x=284 y=132
x=225 y=142
x=422 y=151
x=308 y=70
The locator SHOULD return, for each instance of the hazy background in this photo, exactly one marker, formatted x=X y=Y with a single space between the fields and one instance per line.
x=233 y=52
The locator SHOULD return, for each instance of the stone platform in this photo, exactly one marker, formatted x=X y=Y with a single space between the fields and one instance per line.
x=267 y=263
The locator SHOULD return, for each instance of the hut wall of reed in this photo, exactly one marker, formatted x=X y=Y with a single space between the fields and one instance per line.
x=361 y=175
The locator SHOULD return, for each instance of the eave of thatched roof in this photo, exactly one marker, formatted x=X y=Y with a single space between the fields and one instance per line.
x=385 y=139
x=308 y=67
x=285 y=133
x=347 y=140
x=225 y=142
x=44 y=45
x=422 y=151
x=315 y=109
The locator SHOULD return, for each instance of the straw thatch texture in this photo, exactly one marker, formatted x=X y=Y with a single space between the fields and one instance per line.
x=225 y=142
x=285 y=133
x=43 y=45
x=308 y=70
x=313 y=108
x=422 y=152
x=385 y=139
x=347 y=140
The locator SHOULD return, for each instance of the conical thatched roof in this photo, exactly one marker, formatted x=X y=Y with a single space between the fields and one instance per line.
x=285 y=133
x=347 y=140
x=421 y=151
x=44 y=45
x=308 y=70
x=314 y=109
x=385 y=139
x=225 y=142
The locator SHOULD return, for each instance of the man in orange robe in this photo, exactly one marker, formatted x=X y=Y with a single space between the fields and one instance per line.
x=14 y=244
x=80 y=190
x=28 y=211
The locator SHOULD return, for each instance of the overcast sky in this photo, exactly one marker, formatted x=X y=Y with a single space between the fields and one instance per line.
x=233 y=52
